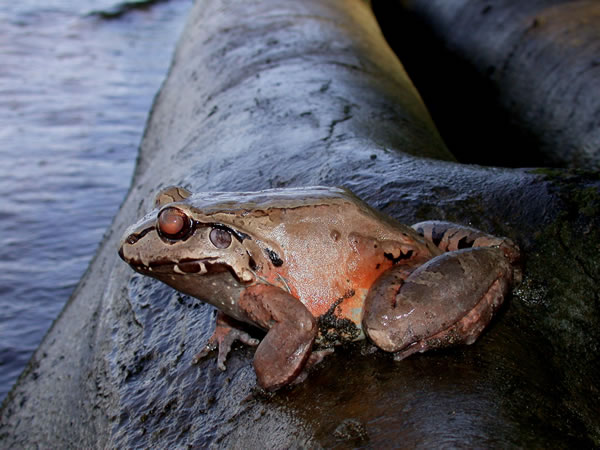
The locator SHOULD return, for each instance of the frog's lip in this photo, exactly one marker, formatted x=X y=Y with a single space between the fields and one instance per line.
x=184 y=267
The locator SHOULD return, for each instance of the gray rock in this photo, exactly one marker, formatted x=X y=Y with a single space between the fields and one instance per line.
x=508 y=82
x=304 y=93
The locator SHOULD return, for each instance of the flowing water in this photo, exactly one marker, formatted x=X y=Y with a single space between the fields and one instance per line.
x=75 y=91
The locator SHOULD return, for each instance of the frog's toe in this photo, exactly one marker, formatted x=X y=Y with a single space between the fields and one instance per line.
x=227 y=342
x=224 y=336
x=316 y=357
x=210 y=346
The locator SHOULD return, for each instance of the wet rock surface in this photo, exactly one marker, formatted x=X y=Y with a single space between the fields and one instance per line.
x=305 y=93
x=508 y=82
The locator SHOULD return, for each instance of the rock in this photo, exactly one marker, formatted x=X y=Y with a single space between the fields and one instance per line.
x=304 y=93
x=508 y=82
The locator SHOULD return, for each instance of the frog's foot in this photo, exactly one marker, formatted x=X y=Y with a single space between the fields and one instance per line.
x=286 y=348
x=447 y=301
x=314 y=359
x=225 y=334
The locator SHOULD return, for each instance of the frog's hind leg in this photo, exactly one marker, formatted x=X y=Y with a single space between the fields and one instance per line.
x=447 y=301
x=448 y=236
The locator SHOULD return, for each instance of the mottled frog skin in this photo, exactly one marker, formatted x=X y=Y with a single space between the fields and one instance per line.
x=316 y=267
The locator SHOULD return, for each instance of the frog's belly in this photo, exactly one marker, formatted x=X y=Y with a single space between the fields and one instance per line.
x=336 y=302
x=333 y=285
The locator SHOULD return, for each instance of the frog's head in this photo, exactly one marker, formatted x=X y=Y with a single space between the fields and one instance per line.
x=178 y=238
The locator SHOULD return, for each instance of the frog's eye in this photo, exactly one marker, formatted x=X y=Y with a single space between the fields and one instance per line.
x=173 y=223
x=220 y=238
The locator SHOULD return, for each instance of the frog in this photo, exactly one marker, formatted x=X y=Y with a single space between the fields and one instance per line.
x=317 y=267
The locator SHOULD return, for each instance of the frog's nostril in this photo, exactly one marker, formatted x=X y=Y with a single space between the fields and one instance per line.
x=132 y=239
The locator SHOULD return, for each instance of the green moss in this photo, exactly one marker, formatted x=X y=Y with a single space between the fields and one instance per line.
x=548 y=172
x=588 y=201
x=560 y=296
x=553 y=174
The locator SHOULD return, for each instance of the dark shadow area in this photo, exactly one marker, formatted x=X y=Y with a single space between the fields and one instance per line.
x=463 y=102
x=119 y=10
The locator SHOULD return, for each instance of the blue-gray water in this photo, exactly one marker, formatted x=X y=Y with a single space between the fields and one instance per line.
x=75 y=91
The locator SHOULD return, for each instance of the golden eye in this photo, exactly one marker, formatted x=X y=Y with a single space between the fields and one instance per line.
x=173 y=223
x=220 y=238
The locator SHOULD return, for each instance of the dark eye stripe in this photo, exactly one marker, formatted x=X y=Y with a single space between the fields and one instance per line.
x=240 y=236
x=134 y=237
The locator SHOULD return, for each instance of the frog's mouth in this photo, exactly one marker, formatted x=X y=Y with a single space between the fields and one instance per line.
x=202 y=266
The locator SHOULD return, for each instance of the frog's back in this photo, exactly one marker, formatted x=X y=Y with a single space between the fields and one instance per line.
x=333 y=247
x=268 y=199
x=330 y=245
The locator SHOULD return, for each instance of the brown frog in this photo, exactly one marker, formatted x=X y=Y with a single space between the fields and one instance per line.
x=315 y=267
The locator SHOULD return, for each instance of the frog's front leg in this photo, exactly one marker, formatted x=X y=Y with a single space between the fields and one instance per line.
x=448 y=300
x=227 y=331
x=284 y=351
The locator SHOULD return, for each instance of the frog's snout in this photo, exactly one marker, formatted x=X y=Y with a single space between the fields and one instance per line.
x=129 y=239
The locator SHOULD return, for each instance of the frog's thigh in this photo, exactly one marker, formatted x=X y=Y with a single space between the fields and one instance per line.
x=448 y=300
x=283 y=352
